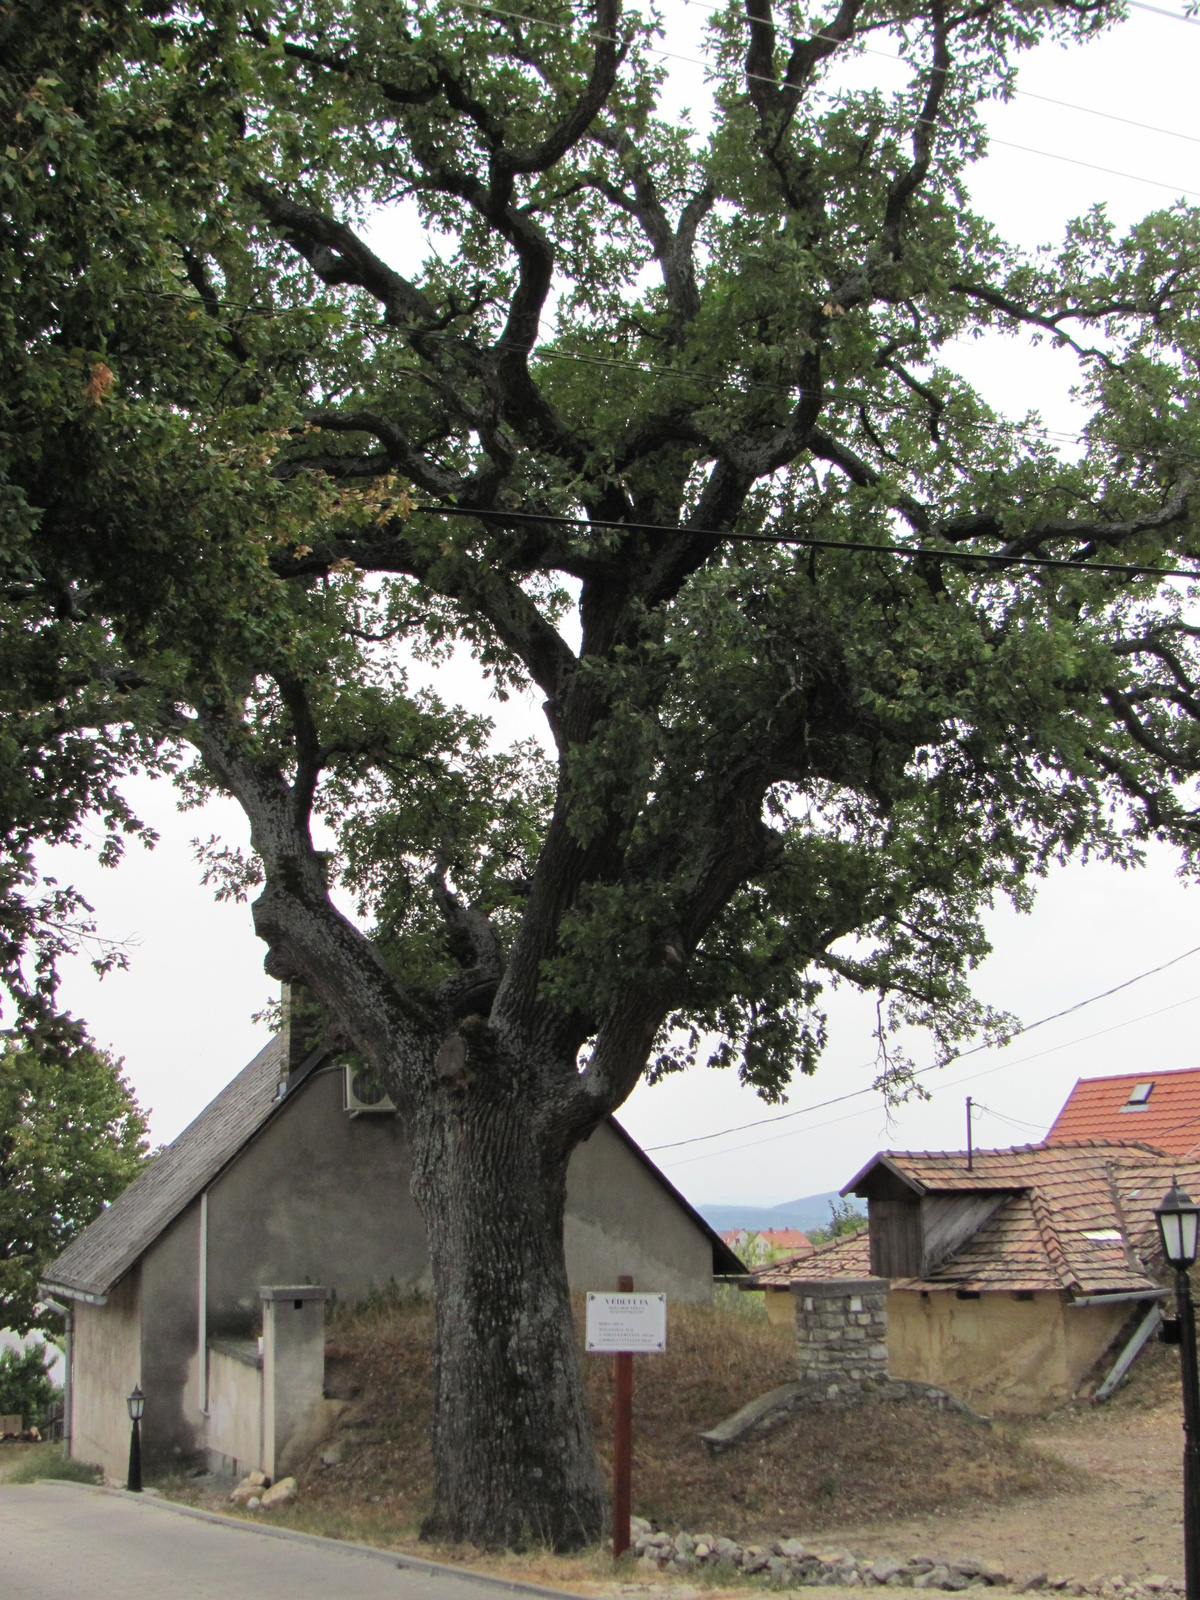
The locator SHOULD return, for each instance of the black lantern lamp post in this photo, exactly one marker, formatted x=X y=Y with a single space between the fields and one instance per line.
x=1179 y=1224
x=136 y=1401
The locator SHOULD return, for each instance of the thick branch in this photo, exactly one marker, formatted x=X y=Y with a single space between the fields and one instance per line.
x=306 y=935
x=479 y=585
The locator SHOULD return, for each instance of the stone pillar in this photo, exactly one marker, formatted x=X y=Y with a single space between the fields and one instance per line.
x=841 y=1336
x=293 y=1372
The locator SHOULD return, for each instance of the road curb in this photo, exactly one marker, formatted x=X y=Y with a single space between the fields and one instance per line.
x=433 y=1569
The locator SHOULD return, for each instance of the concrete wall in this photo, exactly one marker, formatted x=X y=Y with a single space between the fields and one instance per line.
x=317 y=1197
x=234 y=1434
x=620 y=1219
x=106 y=1362
x=1005 y=1354
x=293 y=1373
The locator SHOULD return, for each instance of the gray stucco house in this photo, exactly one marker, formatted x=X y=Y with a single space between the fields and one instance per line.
x=288 y=1178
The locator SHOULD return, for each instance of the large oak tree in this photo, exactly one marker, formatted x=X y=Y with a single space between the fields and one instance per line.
x=289 y=455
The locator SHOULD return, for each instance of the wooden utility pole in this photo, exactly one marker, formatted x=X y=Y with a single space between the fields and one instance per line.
x=622 y=1491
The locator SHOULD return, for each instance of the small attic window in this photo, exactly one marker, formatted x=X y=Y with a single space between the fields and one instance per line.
x=1102 y=1235
x=1139 y=1097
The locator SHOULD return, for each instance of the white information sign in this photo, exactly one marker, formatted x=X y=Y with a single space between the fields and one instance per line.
x=618 y=1322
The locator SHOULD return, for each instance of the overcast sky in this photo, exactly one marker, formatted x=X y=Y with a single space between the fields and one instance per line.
x=181 y=1015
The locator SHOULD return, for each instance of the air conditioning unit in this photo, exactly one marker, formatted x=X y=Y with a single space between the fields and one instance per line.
x=362 y=1090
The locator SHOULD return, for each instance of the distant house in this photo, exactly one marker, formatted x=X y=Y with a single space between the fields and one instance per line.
x=297 y=1175
x=790 y=1239
x=760 y=1245
x=1158 y=1108
x=1004 y=1278
x=786 y=1239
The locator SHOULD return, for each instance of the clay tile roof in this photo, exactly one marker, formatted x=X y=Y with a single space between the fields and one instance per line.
x=1098 y=1108
x=1078 y=1218
x=787 y=1239
x=848 y=1257
x=947 y=1171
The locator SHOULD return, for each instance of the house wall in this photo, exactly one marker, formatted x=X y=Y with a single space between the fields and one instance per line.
x=619 y=1219
x=896 y=1244
x=317 y=1197
x=271 y=1220
x=781 y=1307
x=173 y=1430
x=105 y=1365
x=1090 y=1330
x=293 y=1371
x=1006 y=1354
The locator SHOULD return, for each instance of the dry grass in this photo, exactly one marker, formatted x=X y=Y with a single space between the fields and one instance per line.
x=28 y=1463
x=820 y=1468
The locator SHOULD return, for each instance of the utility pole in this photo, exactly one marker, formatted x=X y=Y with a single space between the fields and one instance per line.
x=970 y=1144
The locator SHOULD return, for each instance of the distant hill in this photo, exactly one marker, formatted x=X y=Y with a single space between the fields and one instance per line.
x=812 y=1211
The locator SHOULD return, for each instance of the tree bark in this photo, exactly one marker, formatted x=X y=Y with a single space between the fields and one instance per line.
x=514 y=1459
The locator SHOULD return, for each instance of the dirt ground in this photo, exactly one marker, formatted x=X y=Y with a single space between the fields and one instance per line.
x=1126 y=1516
x=1088 y=1492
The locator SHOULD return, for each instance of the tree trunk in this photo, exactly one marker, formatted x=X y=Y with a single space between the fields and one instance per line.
x=514 y=1460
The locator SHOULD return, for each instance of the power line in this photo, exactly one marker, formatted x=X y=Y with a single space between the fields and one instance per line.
x=954 y=1083
x=485 y=514
x=1093 y=167
x=758 y=77
x=1159 y=11
x=1108 y=116
x=1020 y=94
x=960 y=1055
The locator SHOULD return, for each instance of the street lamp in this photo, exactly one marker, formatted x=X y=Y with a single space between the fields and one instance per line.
x=1179 y=1224
x=136 y=1401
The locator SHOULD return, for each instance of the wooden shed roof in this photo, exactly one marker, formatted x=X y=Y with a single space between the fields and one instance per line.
x=1079 y=1218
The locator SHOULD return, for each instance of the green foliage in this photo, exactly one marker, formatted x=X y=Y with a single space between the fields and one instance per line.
x=71 y=1138
x=728 y=1297
x=25 y=1385
x=777 y=769
x=346 y=339
x=844 y=1218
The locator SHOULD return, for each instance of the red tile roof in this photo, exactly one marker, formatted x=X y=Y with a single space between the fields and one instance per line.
x=787 y=1239
x=1098 y=1108
x=1073 y=1217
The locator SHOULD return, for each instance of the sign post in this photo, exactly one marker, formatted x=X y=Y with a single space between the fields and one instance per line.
x=624 y=1323
x=622 y=1493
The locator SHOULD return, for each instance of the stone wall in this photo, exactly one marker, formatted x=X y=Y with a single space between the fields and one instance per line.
x=841 y=1336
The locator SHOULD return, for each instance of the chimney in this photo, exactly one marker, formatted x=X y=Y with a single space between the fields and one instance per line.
x=303 y=1024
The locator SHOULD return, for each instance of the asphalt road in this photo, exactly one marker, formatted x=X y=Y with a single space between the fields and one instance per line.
x=62 y=1542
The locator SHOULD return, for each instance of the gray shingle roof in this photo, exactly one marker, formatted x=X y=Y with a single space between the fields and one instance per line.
x=104 y=1252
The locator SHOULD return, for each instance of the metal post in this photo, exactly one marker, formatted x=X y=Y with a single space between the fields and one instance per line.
x=622 y=1494
x=970 y=1141
x=134 y=1481
x=1191 y=1433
